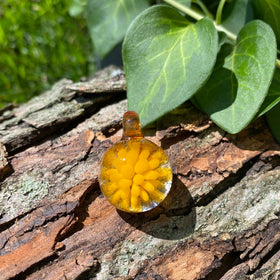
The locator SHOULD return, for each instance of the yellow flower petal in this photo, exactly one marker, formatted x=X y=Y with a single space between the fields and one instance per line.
x=141 y=166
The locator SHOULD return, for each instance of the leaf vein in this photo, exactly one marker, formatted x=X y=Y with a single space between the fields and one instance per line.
x=149 y=97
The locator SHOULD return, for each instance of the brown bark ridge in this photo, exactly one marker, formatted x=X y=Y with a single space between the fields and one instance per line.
x=221 y=219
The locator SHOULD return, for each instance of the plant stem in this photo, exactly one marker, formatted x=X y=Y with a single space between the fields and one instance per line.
x=278 y=63
x=185 y=9
x=199 y=16
x=219 y=12
x=230 y=35
x=218 y=25
x=203 y=8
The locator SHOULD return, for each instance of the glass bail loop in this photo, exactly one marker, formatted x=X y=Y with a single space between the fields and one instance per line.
x=131 y=126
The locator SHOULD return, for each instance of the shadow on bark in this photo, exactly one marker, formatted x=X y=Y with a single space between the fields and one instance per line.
x=173 y=219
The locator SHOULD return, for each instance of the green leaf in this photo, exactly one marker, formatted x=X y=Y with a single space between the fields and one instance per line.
x=234 y=15
x=77 y=7
x=273 y=96
x=240 y=81
x=223 y=39
x=108 y=21
x=166 y=60
x=273 y=120
x=269 y=11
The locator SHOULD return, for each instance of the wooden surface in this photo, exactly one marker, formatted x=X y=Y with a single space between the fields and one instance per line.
x=221 y=219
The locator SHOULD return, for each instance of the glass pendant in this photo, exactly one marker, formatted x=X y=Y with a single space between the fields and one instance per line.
x=135 y=174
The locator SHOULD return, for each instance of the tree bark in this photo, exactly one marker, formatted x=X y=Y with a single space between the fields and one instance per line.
x=221 y=219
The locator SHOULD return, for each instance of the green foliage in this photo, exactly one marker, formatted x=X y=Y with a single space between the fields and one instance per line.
x=273 y=121
x=160 y=69
x=77 y=8
x=226 y=66
x=234 y=15
x=39 y=44
x=185 y=2
x=273 y=95
x=109 y=20
x=238 y=85
x=269 y=11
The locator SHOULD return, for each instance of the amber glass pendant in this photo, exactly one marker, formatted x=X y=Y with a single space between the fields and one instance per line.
x=135 y=173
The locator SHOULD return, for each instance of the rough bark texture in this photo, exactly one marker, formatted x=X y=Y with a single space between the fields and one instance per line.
x=221 y=219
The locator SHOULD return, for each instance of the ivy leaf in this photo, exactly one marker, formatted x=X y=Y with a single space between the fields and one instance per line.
x=273 y=96
x=234 y=15
x=269 y=11
x=166 y=60
x=237 y=88
x=109 y=20
x=273 y=120
x=223 y=39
